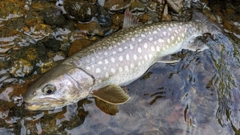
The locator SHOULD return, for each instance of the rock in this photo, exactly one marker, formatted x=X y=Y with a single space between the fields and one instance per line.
x=144 y=1
x=149 y=17
x=52 y=17
x=152 y=6
x=103 y=17
x=175 y=5
x=21 y=68
x=81 y=10
x=137 y=7
x=116 y=5
x=11 y=9
x=117 y=19
x=92 y=28
x=77 y=45
x=53 y=44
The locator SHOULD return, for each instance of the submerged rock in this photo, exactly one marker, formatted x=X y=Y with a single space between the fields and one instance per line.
x=53 y=17
x=81 y=10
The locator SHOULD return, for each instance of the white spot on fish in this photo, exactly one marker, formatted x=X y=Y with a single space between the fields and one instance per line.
x=176 y=31
x=150 y=56
x=131 y=65
x=170 y=29
x=160 y=40
x=93 y=59
x=123 y=41
x=140 y=40
x=131 y=46
x=164 y=48
x=145 y=57
x=179 y=39
x=155 y=32
x=127 y=57
x=121 y=58
x=100 y=62
x=126 y=68
x=172 y=37
x=155 y=43
x=98 y=70
x=110 y=47
x=88 y=68
x=142 y=35
x=125 y=47
x=119 y=49
x=106 y=75
x=158 y=48
x=113 y=70
x=106 y=61
x=113 y=60
x=168 y=41
x=150 y=39
x=133 y=39
x=139 y=63
x=104 y=68
x=114 y=52
x=145 y=45
x=106 y=53
x=139 y=49
x=182 y=35
x=152 y=48
x=120 y=69
x=135 y=57
x=164 y=33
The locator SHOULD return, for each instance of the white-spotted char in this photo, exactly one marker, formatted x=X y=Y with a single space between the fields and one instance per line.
x=115 y=60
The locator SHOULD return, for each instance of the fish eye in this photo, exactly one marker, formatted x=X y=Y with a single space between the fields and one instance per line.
x=49 y=89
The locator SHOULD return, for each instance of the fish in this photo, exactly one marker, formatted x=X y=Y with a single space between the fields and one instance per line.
x=101 y=69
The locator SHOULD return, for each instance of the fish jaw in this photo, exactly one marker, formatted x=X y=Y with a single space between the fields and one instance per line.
x=67 y=84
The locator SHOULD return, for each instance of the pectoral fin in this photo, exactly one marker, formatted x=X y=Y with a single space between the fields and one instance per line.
x=112 y=94
x=106 y=107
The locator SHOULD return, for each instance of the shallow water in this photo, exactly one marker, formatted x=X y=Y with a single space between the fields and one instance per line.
x=198 y=95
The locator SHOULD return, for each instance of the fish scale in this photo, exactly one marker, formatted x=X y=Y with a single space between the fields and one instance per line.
x=116 y=60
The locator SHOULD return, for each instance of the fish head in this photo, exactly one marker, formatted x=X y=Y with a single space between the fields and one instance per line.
x=61 y=86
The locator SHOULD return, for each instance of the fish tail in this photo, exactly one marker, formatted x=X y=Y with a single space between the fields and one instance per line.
x=208 y=26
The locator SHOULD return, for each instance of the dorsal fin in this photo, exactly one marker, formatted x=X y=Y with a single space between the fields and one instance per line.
x=130 y=20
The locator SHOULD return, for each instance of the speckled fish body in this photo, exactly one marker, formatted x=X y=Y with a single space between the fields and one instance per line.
x=117 y=59
x=127 y=54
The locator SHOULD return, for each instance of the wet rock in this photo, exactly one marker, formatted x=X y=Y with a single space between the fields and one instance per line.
x=103 y=17
x=53 y=44
x=77 y=45
x=175 y=5
x=137 y=7
x=149 y=17
x=152 y=6
x=53 y=17
x=117 y=19
x=21 y=68
x=165 y=15
x=11 y=9
x=81 y=10
x=92 y=28
x=116 y=5
x=144 y=1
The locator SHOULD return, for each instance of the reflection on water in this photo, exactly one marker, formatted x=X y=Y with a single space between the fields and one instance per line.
x=198 y=95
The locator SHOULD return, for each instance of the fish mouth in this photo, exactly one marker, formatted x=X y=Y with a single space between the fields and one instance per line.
x=34 y=106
